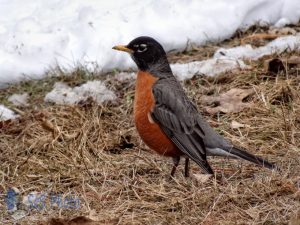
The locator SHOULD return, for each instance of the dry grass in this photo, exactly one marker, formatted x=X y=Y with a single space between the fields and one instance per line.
x=94 y=152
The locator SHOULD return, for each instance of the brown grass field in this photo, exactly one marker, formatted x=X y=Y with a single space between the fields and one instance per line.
x=93 y=153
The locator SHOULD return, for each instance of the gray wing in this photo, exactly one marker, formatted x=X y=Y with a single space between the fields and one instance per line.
x=179 y=120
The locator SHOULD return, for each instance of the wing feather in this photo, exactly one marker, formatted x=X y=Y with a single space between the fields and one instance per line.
x=178 y=118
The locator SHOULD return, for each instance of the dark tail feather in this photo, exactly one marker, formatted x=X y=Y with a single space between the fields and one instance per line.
x=252 y=158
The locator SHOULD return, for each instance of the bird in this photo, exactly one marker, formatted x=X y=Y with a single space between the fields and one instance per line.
x=167 y=121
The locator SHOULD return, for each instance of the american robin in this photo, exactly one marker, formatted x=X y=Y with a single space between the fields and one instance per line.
x=167 y=121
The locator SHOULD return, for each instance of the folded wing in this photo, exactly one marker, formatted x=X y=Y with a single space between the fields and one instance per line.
x=178 y=118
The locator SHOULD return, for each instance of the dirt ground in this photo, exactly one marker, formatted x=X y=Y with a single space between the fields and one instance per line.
x=92 y=159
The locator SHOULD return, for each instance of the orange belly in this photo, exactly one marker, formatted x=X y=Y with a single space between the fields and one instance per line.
x=150 y=133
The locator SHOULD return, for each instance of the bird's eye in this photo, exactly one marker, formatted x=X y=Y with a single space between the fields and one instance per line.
x=142 y=48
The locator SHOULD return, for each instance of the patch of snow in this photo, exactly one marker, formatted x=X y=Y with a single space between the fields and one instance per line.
x=37 y=35
x=210 y=67
x=232 y=58
x=279 y=45
x=123 y=76
x=19 y=99
x=64 y=94
x=6 y=114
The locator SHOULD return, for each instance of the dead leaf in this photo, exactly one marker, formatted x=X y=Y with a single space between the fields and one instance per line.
x=294 y=61
x=228 y=102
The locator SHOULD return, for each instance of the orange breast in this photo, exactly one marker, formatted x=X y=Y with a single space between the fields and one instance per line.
x=150 y=133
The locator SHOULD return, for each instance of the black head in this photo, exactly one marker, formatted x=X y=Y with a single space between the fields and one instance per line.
x=148 y=55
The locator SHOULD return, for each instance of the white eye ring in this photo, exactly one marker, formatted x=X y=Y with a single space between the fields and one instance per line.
x=142 y=48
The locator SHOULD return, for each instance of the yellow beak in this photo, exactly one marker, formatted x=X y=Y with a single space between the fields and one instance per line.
x=123 y=48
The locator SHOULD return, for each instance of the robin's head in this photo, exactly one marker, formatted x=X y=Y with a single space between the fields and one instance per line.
x=148 y=55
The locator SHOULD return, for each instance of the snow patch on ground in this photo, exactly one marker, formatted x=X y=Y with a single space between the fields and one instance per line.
x=279 y=45
x=210 y=67
x=63 y=94
x=6 y=114
x=123 y=76
x=19 y=99
x=38 y=35
x=229 y=59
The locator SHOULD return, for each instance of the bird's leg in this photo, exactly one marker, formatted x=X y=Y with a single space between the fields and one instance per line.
x=176 y=161
x=187 y=167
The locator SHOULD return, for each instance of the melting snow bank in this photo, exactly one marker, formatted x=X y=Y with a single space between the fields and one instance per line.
x=6 y=114
x=210 y=67
x=279 y=45
x=229 y=59
x=63 y=94
x=37 y=35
